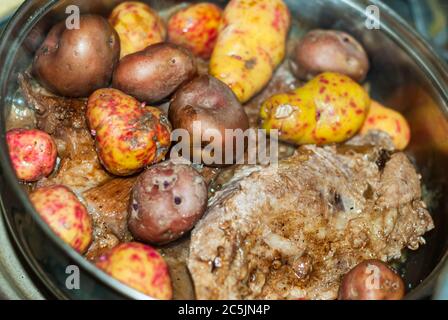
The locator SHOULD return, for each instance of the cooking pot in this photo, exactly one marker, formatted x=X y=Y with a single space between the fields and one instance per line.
x=405 y=73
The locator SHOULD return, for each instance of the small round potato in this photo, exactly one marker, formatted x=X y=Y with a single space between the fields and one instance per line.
x=140 y=267
x=371 y=280
x=390 y=121
x=137 y=25
x=33 y=153
x=155 y=73
x=196 y=28
x=210 y=104
x=167 y=200
x=329 y=50
x=65 y=214
x=76 y=62
x=128 y=134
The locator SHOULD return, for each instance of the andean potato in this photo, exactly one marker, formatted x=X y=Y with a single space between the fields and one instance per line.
x=137 y=25
x=329 y=50
x=371 y=280
x=140 y=267
x=251 y=45
x=76 y=62
x=128 y=134
x=167 y=200
x=196 y=28
x=389 y=121
x=210 y=104
x=154 y=73
x=33 y=153
x=65 y=214
x=329 y=108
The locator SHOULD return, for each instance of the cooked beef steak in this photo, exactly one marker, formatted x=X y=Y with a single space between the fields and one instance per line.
x=292 y=231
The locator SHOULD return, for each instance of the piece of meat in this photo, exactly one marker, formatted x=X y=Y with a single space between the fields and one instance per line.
x=108 y=206
x=64 y=119
x=292 y=231
x=175 y=255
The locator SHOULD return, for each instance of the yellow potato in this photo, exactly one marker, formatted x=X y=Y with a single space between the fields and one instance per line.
x=128 y=134
x=330 y=108
x=137 y=25
x=389 y=121
x=251 y=45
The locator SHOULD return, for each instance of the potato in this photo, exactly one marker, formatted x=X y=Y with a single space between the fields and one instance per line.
x=329 y=108
x=154 y=73
x=196 y=28
x=251 y=45
x=33 y=153
x=128 y=134
x=65 y=215
x=329 y=50
x=210 y=103
x=167 y=200
x=76 y=62
x=140 y=267
x=371 y=280
x=137 y=25
x=389 y=121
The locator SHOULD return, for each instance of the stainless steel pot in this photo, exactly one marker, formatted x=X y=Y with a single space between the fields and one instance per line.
x=405 y=74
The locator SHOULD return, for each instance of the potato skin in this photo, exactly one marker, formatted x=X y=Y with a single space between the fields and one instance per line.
x=140 y=267
x=137 y=25
x=167 y=200
x=251 y=45
x=210 y=102
x=65 y=214
x=74 y=63
x=389 y=121
x=329 y=50
x=371 y=280
x=154 y=73
x=33 y=153
x=128 y=134
x=330 y=108
x=196 y=28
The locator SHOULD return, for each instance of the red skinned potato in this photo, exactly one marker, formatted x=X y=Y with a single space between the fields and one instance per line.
x=329 y=50
x=154 y=73
x=65 y=214
x=167 y=200
x=76 y=62
x=371 y=280
x=128 y=134
x=196 y=28
x=33 y=153
x=140 y=267
x=211 y=104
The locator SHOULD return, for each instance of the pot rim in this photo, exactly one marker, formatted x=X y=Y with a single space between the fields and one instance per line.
x=391 y=23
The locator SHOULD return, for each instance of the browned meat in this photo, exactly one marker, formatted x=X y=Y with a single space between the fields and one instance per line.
x=64 y=120
x=175 y=255
x=293 y=231
x=108 y=206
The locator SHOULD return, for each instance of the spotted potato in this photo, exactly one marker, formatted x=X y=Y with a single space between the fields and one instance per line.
x=128 y=134
x=33 y=153
x=251 y=45
x=329 y=108
x=389 y=121
x=137 y=25
x=65 y=214
x=196 y=28
x=140 y=267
